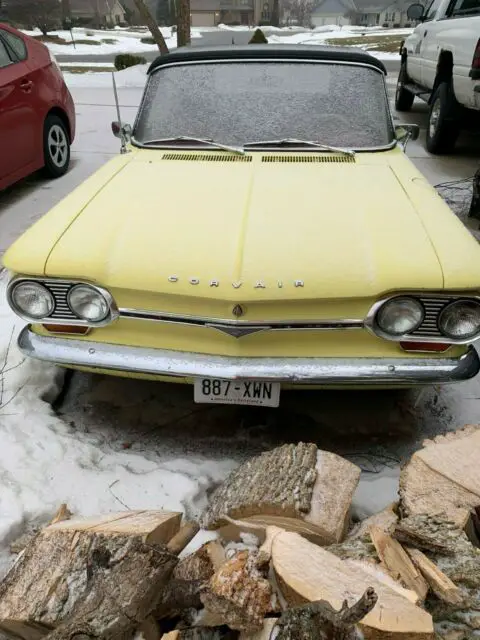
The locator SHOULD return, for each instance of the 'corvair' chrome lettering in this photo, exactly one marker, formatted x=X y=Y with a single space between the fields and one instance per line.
x=259 y=284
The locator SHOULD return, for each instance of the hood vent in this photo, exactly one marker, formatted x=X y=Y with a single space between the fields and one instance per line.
x=206 y=157
x=309 y=158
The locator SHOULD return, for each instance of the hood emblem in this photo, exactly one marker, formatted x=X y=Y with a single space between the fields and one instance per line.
x=236 y=332
x=238 y=311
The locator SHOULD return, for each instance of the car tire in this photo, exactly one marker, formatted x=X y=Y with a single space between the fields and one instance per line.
x=443 y=126
x=56 y=147
x=403 y=98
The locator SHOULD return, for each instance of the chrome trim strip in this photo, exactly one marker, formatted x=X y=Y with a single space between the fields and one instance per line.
x=192 y=147
x=220 y=323
x=323 y=371
x=436 y=335
x=52 y=285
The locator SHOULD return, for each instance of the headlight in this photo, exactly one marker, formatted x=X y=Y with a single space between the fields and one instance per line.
x=460 y=320
x=88 y=303
x=32 y=299
x=400 y=316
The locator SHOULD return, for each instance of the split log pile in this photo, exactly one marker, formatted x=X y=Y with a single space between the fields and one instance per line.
x=286 y=564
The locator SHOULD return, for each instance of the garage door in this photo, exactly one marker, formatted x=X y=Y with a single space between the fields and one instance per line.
x=203 y=19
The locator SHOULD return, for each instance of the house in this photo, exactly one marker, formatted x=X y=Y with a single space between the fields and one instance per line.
x=337 y=12
x=99 y=13
x=395 y=15
x=205 y=13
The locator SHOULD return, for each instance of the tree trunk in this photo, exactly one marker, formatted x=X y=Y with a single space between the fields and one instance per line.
x=275 y=13
x=151 y=23
x=183 y=23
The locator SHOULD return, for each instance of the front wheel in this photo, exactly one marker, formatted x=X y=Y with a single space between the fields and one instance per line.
x=403 y=98
x=56 y=147
x=443 y=126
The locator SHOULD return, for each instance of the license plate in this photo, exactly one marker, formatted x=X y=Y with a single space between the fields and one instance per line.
x=251 y=392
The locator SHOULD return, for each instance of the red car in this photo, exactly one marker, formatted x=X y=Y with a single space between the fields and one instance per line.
x=37 y=114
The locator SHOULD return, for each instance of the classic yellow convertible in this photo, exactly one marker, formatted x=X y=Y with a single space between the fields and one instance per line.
x=262 y=228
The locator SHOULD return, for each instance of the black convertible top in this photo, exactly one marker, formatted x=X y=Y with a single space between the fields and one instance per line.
x=268 y=51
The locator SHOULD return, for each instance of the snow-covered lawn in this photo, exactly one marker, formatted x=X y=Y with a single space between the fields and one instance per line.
x=44 y=461
x=352 y=36
x=103 y=42
x=116 y=41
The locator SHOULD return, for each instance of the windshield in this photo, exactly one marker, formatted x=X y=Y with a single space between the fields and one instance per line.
x=239 y=102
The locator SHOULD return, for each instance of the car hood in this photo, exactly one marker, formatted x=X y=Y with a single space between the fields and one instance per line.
x=249 y=229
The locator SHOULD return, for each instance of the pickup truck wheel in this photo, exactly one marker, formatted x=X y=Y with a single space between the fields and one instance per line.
x=56 y=147
x=443 y=123
x=403 y=98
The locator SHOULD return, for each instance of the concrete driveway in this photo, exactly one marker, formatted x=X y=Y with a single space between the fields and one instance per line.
x=375 y=429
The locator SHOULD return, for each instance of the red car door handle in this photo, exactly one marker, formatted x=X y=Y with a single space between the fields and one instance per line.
x=26 y=85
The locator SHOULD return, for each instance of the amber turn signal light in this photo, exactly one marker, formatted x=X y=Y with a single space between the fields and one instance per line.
x=437 y=347
x=62 y=328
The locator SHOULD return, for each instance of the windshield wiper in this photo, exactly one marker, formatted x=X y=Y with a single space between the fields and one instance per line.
x=207 y=141
x=293 y=141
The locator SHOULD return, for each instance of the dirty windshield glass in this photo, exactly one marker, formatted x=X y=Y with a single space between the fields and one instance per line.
x=239 y=102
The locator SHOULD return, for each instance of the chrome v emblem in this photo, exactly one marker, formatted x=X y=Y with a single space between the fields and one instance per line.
x=236 y=332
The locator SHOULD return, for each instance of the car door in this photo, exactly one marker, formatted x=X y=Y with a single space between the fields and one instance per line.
x=18 y=120
x=429 y=46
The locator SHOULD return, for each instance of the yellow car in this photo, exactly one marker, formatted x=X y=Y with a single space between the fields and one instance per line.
x=262 y=228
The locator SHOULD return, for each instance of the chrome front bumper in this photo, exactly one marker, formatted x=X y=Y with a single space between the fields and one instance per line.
x=314 y=371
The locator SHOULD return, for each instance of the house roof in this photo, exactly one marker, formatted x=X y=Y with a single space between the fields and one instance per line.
x=372 y=6
x=205 y=5
x=334 y=7
x=90 y=6
x=270 y=52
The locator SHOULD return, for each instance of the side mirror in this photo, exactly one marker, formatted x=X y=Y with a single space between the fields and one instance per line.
x=415 y=11
x=406 y=132
x=122 y=131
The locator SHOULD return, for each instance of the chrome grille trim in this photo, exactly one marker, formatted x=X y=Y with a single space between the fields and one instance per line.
x=62 y=314
x=238 y=328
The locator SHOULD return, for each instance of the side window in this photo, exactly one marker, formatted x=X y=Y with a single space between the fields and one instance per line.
x=4 y=57
x=459 y=8
x=16 y=44
x=432 y=10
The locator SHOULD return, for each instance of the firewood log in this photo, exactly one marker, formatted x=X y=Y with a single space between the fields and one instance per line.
x=100 y=577
x=296 y=487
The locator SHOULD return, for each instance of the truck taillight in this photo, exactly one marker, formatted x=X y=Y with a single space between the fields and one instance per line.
x=476 y=57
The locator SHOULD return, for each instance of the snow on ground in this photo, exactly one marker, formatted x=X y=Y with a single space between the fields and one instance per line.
x=133 y=77
x=321 y=35
x=125 y=41
x=45 y=462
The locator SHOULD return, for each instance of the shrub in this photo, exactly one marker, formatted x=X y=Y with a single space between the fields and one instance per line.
x=125 y=60
x=258 y=37
x=147 y=40
x=109 y=40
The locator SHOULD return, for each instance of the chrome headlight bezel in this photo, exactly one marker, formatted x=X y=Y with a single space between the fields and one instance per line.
x=448 y=309
x=55 y=286
x=399 y=300
x=92 y=291
x=433 y=302
x=37 y=285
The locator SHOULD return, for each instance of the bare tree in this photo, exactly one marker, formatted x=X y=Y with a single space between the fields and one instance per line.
x=151 y=23
x=44 y=14
x=301 y=10
x=183 y=23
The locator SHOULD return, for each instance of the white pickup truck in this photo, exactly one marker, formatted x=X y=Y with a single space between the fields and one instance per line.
x=441 y=64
